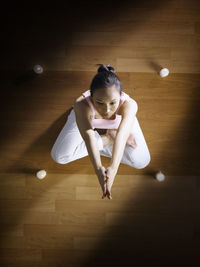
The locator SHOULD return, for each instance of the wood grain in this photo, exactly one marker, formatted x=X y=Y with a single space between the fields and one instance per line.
x=62 y=220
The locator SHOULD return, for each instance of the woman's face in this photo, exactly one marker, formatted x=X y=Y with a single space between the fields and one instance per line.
x=106 y=101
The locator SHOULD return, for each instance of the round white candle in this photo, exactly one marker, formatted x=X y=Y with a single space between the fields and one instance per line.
x=160 y=176
x=164 y=72
x=41 y=174
x=38 y=69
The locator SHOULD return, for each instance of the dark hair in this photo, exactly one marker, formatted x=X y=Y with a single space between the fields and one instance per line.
x=105 y=78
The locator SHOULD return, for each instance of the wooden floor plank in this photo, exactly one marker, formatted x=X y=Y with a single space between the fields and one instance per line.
x=61 y=220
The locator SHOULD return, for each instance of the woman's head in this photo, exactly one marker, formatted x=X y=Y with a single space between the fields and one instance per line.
x=106 y=90
x=105 y=78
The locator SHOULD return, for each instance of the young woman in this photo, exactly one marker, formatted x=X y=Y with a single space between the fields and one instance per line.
x=103 y=122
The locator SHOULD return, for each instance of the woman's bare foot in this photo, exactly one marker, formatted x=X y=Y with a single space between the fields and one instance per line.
x=112 y=133
x=130 y=141
x=107 y=140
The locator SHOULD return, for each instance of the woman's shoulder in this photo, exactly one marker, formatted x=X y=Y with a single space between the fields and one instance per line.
x=127 y=98
x=82 y=106
x=128 y=103
x=83 y=96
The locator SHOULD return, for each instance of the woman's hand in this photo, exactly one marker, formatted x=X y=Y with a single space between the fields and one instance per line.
x=101 y=174
x=110 y=176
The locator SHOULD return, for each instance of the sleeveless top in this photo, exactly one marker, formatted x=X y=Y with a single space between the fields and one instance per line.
x=105 y=123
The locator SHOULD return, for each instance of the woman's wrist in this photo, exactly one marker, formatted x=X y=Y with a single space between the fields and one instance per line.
x=114 y=166
x=97 y=168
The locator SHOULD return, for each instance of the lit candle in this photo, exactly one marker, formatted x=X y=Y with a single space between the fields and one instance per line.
x=38 y=69
x=160 y=176
x=41 y=174
x=164 y=72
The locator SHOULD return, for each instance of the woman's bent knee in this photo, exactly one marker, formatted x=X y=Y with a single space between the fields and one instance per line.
x=142 y=162
x=60 y=160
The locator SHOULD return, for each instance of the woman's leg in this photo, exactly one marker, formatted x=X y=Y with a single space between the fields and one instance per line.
x=69 y=144
x=138 y=157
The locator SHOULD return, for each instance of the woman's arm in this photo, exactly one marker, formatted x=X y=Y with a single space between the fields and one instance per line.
x=93 y=151
x=87 y=134
x=128 y=117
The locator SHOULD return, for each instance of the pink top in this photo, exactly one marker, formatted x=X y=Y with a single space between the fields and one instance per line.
x=104 y=123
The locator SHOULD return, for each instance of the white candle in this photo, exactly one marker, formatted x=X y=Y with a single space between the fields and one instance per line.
x=160 y=176
x=164 y=72
x=38 y=69
x=41 y=174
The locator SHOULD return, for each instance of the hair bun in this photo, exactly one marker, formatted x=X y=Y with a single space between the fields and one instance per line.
x=105 y=68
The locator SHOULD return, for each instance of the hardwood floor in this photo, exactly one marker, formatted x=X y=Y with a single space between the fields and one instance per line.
x=62 y=220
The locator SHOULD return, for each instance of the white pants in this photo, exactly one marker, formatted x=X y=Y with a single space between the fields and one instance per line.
x=70 y=146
